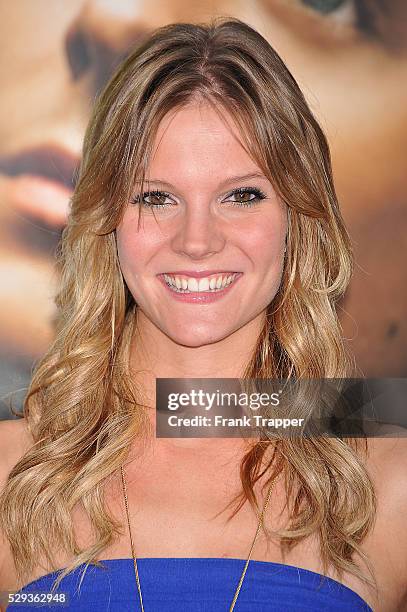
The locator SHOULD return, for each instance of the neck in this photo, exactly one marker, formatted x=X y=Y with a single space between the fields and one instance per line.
x=154 y=355
x=164 y=358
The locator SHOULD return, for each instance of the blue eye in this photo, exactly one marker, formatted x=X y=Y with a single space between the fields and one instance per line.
x=339 y=13
x=324 y=6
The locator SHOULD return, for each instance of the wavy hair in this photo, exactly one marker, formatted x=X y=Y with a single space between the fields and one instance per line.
x=82 y=407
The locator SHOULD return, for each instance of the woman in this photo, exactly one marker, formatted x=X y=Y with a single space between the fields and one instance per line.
x=349 y=58
x=202 y=162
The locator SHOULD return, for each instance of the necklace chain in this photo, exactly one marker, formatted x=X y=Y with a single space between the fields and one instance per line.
x=133 y=553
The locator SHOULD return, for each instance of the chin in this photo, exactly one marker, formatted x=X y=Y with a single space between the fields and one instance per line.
x=194 y=336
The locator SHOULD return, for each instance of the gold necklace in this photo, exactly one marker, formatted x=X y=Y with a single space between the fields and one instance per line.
x=239 y=586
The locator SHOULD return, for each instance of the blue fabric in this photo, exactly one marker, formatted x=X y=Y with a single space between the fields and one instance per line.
x=199 y=585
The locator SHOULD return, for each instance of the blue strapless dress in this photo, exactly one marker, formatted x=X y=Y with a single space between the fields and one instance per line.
x=196 y=585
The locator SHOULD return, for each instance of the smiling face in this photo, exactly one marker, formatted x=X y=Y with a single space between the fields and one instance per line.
x=50 y=80
x=204 y=221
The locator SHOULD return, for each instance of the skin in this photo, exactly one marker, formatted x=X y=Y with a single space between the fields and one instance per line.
x=204 y=229
x=180 y=491
x=357 y=88
x=197 y=151
x=179 y=487
x=354 y=81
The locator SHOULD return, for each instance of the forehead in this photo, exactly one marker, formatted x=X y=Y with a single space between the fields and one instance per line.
x=198 y=139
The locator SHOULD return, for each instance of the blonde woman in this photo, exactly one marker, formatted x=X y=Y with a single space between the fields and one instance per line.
x=202 y=161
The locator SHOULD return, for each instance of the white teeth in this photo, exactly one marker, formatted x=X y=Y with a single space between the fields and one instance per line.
x=191 y=284
x=203 y=284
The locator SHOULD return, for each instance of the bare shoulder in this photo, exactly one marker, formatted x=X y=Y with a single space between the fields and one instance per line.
x=387 y=465
x=387 y=456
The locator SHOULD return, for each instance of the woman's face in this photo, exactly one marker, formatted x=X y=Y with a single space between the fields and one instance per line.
x=202 y=224
x=350 y=58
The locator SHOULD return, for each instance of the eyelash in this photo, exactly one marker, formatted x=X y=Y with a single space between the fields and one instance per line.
x=259 y=195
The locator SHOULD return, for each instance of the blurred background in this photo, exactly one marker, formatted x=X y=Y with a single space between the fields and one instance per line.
x=350 y=59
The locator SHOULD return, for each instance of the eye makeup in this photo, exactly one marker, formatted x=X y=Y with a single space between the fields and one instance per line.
x=257 y=194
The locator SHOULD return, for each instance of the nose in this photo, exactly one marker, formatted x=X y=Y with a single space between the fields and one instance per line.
x=200 y=235
x=105 y=31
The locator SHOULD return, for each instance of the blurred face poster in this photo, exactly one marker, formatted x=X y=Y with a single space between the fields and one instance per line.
x=350 y=60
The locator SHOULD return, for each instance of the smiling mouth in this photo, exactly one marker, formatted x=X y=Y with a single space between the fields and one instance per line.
x=210 y=284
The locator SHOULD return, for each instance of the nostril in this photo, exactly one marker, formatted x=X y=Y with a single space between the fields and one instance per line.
x=78 y=52
x=86 y=50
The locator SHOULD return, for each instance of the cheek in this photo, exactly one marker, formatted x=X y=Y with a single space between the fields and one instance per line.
x=132 y=254
x=265 y=241
x=135 y=247
x=124 y=248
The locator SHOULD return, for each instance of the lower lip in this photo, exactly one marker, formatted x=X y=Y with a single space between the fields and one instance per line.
x=197 y=297
x=40 y=198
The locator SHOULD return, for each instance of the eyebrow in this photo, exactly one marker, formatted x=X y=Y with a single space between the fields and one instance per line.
x=227 y=181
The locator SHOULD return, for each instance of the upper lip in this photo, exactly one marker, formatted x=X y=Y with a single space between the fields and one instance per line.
x=200 y=274
x=50 y=161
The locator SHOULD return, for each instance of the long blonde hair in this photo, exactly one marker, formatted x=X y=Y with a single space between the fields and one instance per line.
x=82 y=407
